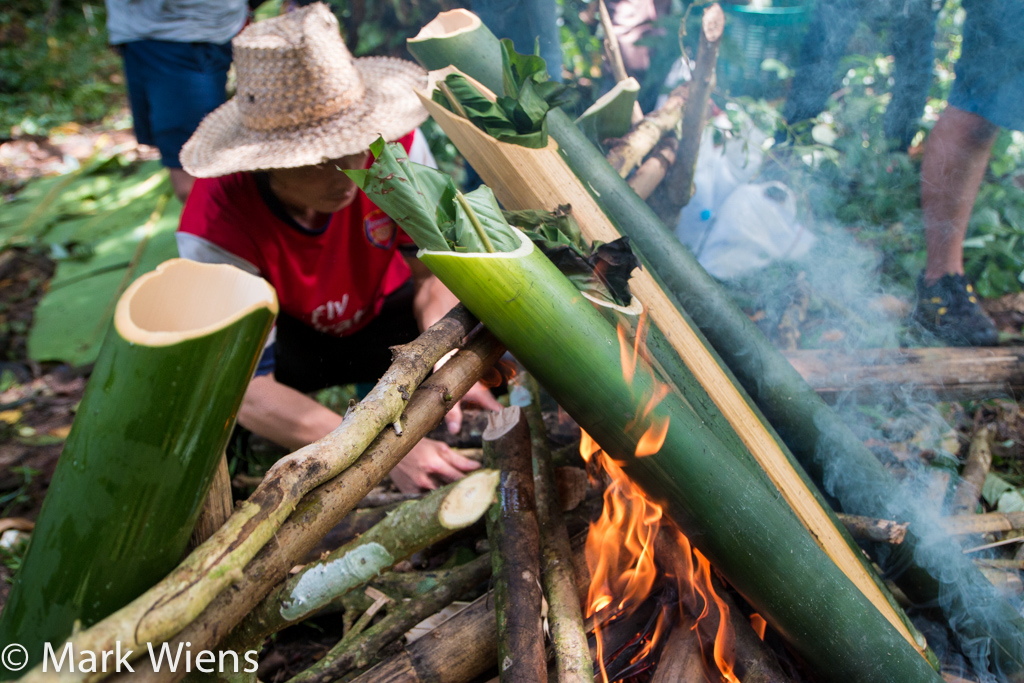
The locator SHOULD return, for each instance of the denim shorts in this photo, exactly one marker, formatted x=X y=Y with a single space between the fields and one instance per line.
x=990 y=71
x=171 y=87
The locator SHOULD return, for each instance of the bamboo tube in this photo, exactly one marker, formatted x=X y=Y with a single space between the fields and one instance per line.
x=809 y=426
x=515 y=544
x=319 y=511
x=565 y=618
x=524 y=300
x=611 y=116
x=530 y=178
x=409 y=528
x=143 y=449
x=360 y=651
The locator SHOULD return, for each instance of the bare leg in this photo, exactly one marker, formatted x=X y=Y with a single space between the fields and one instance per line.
x=955 y=159
x=181 y=182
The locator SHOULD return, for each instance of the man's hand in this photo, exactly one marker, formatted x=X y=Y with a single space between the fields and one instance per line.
x=428 y=461
x=478 y=395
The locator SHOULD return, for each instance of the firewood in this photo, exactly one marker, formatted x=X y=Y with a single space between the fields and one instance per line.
x=514 y=536
x=681 y=660
x=573 y=662
x=979 y=460
x=650 y=173
x=947 y=374
x=217 y=507
x=358 y=652
x=626 y=153
x=988 y=523
x=878 y=530
x=571 y=484
x=794 y=315
x=411 y=527
x=381 y=498
x=319 y=511
x=678 y=188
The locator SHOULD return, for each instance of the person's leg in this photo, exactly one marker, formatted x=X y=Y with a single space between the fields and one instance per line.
x=955 y=159
x=832 y=25
x=912 y=46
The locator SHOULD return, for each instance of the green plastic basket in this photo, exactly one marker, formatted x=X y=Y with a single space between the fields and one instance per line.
x=752 y=35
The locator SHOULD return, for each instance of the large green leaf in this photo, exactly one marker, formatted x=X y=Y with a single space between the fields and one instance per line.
x=72 y=319
x=429 y=208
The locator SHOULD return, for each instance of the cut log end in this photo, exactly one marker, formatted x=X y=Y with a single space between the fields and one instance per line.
x=469 y=499
x=713 y=23
x=500 y=424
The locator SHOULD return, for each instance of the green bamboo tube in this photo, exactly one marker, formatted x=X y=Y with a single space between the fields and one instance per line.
x=146 y=440
x=730 y=512
x=460 y=33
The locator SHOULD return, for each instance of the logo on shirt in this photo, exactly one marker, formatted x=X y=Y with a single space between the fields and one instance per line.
x=380 y=229
x=329 y=318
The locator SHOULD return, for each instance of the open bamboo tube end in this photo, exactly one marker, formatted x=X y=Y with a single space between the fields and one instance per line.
x=469 y=499
x=447 y=24
x=184 y=299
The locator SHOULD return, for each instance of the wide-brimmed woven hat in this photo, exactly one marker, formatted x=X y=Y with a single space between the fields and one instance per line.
x=302 y=99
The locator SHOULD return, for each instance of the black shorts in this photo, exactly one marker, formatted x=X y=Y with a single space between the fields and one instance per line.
x=308 y=360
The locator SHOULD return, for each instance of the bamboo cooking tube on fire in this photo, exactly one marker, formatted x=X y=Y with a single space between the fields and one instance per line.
x=147 y=437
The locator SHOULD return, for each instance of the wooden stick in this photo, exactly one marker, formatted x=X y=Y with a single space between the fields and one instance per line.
x=979 y=460
x=573 y=662
x=359 y=652
x=650 y=174
x=514 y=536
x=217 y=506
x=635 y=145
x=326 y=506
x=411 y=527
x=988 y=523
x=613 y=53
x=945 y=374
x=679 y=187
x=681 y=660
x=878 y=530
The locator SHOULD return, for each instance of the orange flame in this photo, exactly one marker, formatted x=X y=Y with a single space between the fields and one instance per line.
x=759 y=625
x=620 y=544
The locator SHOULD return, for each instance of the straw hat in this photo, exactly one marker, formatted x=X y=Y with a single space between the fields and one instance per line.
x=302 y=99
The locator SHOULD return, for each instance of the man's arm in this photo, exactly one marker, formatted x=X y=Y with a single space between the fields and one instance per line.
x=285 y=416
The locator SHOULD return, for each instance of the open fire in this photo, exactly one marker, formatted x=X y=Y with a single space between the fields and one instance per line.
x=620 y=551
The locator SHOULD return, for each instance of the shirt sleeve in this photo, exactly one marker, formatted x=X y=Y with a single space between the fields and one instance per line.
x=214 y=227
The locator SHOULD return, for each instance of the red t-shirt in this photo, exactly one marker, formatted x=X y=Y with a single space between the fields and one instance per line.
x=335 y=280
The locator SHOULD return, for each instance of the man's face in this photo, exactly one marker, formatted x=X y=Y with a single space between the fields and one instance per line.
x=323 y=188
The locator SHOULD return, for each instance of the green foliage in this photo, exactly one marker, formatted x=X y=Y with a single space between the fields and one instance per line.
x=519 y=118
x=426 y=204
x=19 y=495
x=55 y=74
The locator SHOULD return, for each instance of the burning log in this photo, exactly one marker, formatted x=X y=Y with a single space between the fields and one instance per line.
x=681 y=660
x=409 y=528
x=877 y=530
x=358 y=652
x=320 y=510
x=572 y=656
x=164 y=392
x=809 y=426
x=678 y=187
x=948 y=374
x=613 y=394
x=979 y=460
x=514 y=536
